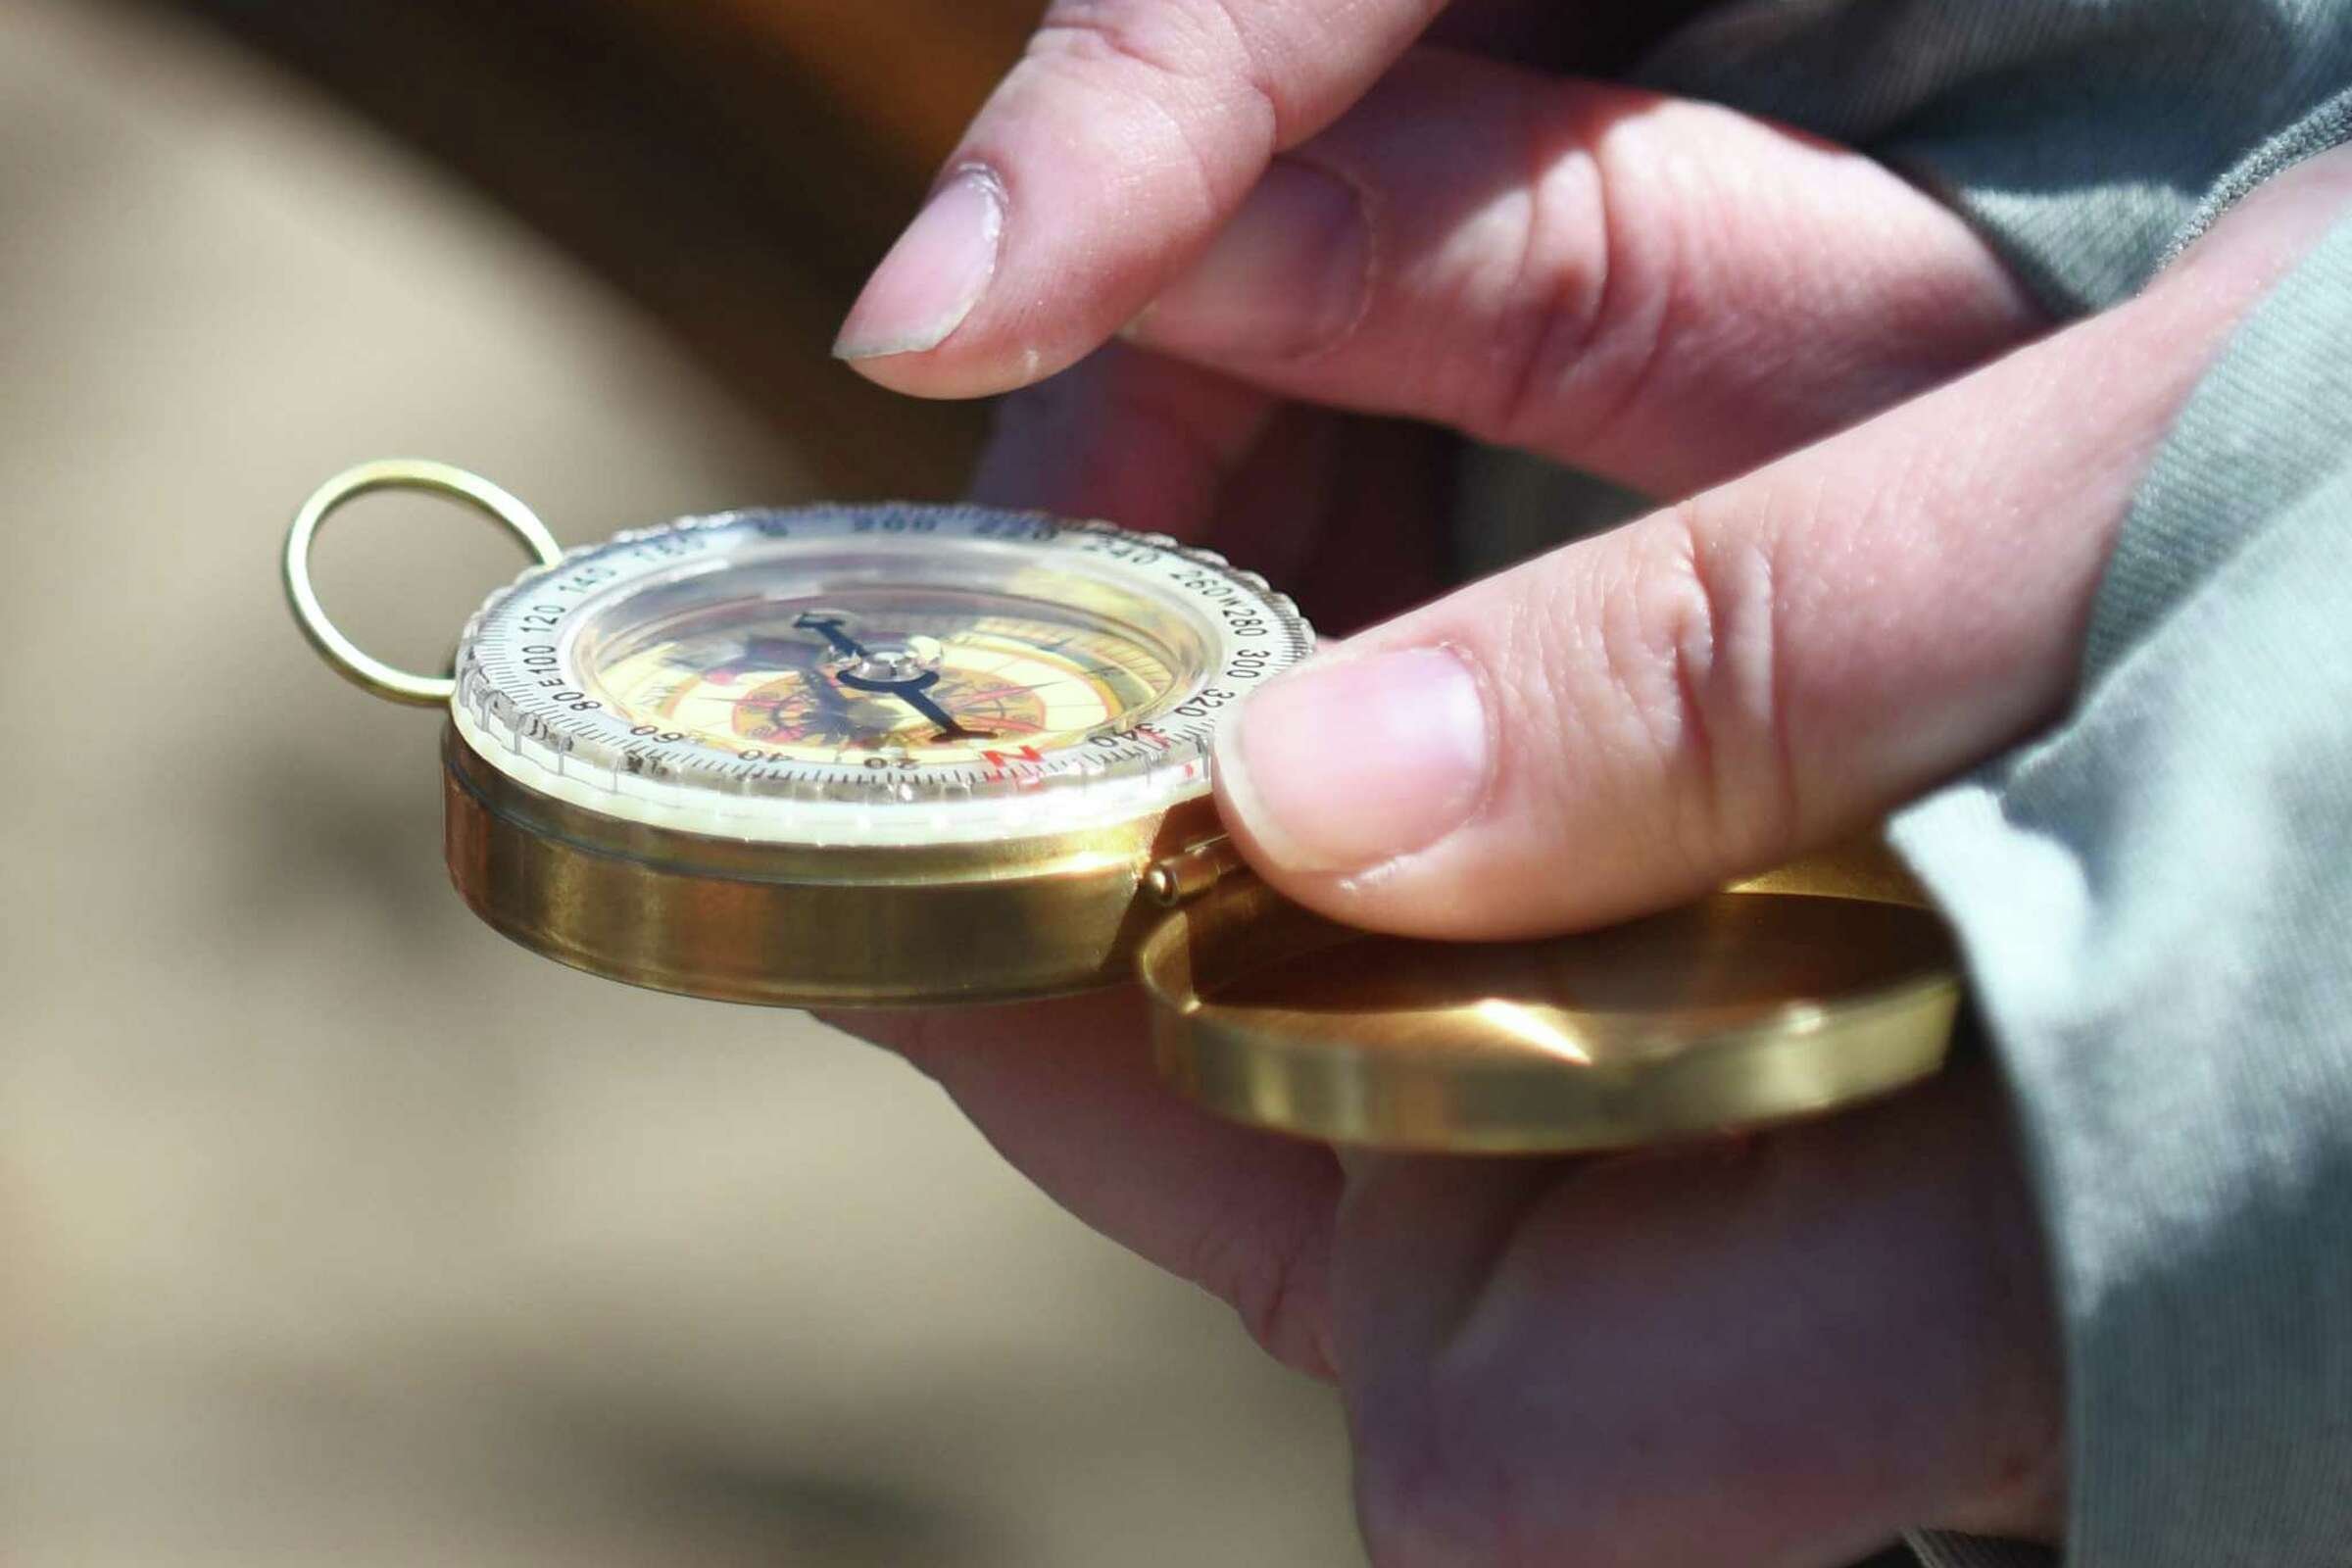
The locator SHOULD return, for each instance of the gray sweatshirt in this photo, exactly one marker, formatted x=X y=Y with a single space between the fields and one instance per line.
x=2155 y=896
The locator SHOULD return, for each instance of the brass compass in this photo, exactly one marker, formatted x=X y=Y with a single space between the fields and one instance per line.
x=895 y=754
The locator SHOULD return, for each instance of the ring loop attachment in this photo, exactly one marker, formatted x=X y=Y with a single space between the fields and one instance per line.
x=345 y=657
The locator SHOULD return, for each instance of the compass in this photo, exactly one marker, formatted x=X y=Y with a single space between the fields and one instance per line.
x=899 y=755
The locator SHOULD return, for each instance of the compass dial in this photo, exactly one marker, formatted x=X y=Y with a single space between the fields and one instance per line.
x=898 y=673
x=938 y=677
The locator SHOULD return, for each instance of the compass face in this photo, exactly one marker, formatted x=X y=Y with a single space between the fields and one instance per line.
x=931 y=677
x=871 y=674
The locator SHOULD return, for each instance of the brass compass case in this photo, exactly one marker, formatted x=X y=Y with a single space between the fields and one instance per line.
x=804 y=926
x=898 y=755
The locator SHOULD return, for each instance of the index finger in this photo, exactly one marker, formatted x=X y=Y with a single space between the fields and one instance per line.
x=1128 y=133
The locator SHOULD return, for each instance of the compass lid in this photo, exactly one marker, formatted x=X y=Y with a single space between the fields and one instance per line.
x=1816 y=987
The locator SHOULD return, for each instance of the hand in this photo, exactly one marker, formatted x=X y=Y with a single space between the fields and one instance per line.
x=1775 y=1351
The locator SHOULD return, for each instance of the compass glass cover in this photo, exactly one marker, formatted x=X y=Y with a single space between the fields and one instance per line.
x=890 y=674
x=907 y=673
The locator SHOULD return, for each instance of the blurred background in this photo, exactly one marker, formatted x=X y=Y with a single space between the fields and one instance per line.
x=334 y=1228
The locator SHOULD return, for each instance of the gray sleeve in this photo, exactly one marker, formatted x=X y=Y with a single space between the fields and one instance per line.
x=2156 y=902
x=2155 y=899
x=2086 y=138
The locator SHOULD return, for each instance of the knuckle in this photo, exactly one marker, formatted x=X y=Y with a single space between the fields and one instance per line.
x=1186 y=52
x=1124 y=92
x=1592 y=307
x=1253 y=78
x=1108 y=31
x=1276 y=1285
x=1126 y=126
x=1695 y=656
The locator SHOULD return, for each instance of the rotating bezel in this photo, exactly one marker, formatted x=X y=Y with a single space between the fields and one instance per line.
x=528 y=702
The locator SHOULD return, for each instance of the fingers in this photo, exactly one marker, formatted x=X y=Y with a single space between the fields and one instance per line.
x=1065 y=1091
x=1774 y=1353
x=1758 y=670
x=1663 y=291
x=1129 y=131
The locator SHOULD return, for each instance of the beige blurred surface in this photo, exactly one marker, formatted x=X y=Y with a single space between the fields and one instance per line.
x=331 y=1227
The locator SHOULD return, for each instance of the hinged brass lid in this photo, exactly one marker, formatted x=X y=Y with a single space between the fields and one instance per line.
x=1816 y=987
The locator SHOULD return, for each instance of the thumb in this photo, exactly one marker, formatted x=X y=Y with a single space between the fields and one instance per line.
x=1755 y=671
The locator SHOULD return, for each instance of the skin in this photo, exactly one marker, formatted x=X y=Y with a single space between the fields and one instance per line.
x=1888 y=491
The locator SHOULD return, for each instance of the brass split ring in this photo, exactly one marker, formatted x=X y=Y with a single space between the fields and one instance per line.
x=345 y=657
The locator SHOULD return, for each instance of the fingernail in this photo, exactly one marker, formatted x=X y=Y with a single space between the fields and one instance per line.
x=1286 y=275
x=1346 y=764
x=933 y=275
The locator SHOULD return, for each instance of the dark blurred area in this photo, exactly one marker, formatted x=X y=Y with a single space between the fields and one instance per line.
x=333 y=1229
x=733 y=167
